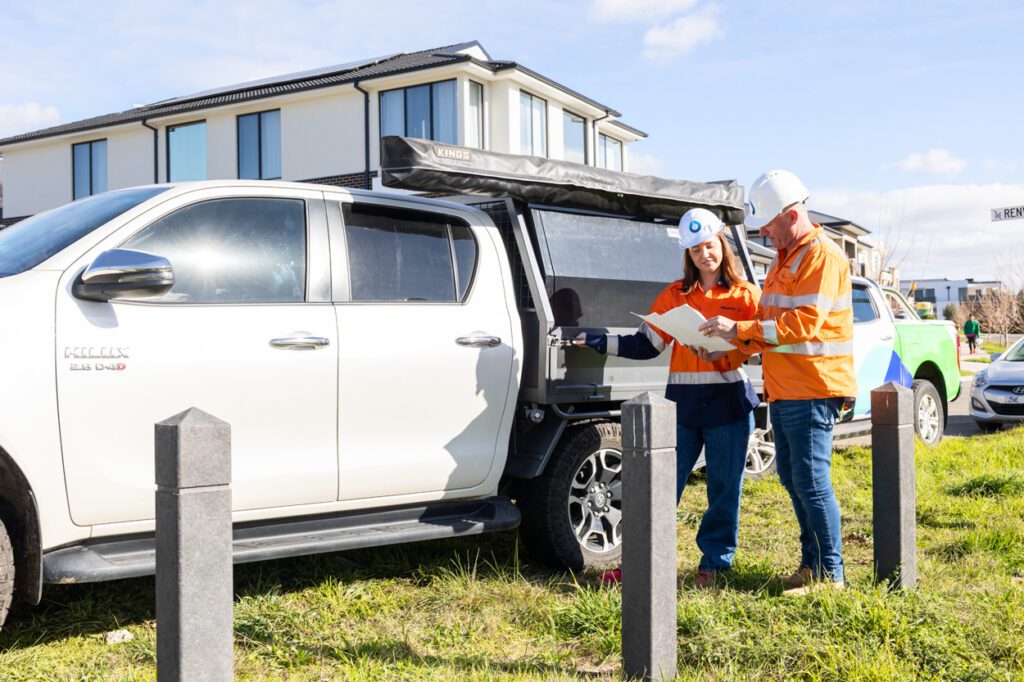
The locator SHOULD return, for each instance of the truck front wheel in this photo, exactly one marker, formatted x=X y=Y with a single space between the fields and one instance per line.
x=6 y=573
x=928 y=413
x=572 y=513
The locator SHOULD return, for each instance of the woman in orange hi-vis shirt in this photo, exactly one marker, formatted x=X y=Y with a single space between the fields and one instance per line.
x=714 y=398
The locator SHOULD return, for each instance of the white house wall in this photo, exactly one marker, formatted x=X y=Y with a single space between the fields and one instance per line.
x=129 y=158
x=36 y=178
x=322 y=137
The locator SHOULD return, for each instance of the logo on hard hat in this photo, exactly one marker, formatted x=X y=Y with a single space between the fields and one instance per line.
x=753 y=211
x=695 y=226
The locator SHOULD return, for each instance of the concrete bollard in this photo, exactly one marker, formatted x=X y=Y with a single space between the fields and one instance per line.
x=893 y=489
x=194 y=572
x=649 y=538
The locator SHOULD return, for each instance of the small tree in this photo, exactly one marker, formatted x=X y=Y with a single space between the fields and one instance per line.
x=949 y=312
x=960 y=315
x=998 y=310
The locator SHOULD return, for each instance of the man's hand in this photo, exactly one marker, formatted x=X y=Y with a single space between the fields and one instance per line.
x=719 y=326
x=580 y=340
x=707 y=355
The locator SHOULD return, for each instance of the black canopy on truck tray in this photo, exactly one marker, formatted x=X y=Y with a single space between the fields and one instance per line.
x=426 y=166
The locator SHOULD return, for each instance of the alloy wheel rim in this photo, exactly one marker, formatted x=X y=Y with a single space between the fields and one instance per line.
x=595 y=501
x=928 y=418
x=760 y=452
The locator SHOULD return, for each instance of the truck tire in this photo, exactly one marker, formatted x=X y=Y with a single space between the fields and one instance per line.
x=928 y=412
x=572 y=513
x=6 y=573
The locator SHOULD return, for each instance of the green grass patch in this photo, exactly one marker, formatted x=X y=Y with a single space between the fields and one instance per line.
x=479 y=609
x=992 y=347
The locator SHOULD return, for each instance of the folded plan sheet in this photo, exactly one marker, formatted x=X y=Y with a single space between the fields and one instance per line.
x=681 y=323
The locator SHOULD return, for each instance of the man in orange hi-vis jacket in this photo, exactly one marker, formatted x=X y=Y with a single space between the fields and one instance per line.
x=804 y=328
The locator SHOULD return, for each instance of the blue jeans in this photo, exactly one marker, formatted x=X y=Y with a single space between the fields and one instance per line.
x=725 y=451
x=803 y=451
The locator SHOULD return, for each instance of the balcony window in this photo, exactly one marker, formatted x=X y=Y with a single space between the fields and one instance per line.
x=89 y=168
x=426 y=111
x=575 y=136
x=533 y=125
x=475 y=116
x=609 y=153
x=186 y=152
x=259 y=145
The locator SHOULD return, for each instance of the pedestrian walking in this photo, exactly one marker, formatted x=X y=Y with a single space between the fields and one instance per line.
x=972 y=329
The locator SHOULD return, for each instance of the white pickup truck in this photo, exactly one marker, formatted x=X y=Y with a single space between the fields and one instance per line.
x=393 y=368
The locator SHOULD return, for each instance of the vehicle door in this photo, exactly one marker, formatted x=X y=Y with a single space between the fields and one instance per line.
x=873 y=341
x=247 y=334
x=428 y=373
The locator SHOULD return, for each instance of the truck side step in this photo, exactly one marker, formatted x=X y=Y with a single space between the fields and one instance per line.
x=129 y=557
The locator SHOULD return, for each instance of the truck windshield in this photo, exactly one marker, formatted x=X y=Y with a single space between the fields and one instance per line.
x=26 y=244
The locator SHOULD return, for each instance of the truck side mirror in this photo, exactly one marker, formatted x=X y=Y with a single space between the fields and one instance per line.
x=123 y=273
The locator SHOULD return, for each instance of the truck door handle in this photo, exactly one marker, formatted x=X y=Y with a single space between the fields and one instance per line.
x=479 y=341
x=300 y=342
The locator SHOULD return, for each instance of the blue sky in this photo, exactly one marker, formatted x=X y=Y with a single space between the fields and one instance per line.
x=907 y=117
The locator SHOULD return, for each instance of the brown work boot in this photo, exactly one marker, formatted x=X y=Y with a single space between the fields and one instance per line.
x=814 y=586
x=800 y=577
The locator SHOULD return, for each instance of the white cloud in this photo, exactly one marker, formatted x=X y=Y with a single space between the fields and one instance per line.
x=647 y=11
x=941 y=230
x=682 y=35
x=645 y=164
x=996 y=164
x=21 y=118
x=934 y=161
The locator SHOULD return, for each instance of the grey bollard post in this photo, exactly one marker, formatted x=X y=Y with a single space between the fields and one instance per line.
x=649 y=538
x=893 y=513
x=194 y=572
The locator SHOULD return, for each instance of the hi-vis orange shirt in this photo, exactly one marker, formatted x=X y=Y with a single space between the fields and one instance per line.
x=706 y=393
x=804 y=323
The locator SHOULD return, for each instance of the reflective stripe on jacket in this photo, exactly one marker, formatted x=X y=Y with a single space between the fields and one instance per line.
x=804 y=323
x=705 y=393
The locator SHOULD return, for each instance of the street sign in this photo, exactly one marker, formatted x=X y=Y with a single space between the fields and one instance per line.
x=1010 y=213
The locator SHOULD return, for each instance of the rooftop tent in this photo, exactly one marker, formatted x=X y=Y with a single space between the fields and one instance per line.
x=426 y=166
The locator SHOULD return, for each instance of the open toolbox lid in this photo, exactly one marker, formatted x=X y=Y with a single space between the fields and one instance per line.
x=427 y=166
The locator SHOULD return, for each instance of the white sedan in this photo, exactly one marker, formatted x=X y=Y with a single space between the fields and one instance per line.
x=997 y=392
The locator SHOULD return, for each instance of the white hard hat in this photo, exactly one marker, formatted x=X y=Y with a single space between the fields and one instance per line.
x=697 y=226
x=770 y=193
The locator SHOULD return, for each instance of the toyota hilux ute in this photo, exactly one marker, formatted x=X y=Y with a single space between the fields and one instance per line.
x=393 y=368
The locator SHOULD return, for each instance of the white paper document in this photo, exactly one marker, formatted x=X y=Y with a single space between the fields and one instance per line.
x=681 y=324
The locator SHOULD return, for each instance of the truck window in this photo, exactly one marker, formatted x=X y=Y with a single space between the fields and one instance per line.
x=401 y=255
x=238 y=250
x=863 y=306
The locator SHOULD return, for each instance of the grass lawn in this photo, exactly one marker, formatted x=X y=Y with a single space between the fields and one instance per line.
x=990 y=347
x=475 y=609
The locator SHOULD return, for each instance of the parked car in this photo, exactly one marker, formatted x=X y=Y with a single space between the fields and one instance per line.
x=997 y=392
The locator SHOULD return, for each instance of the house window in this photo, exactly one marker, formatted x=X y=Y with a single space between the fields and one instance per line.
x=89 y=168
x=259 y=145
x=475 y=116
x=575 y=135
x=533 y=125
x=609 y=153
x=426 y=111
x=186 y=152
